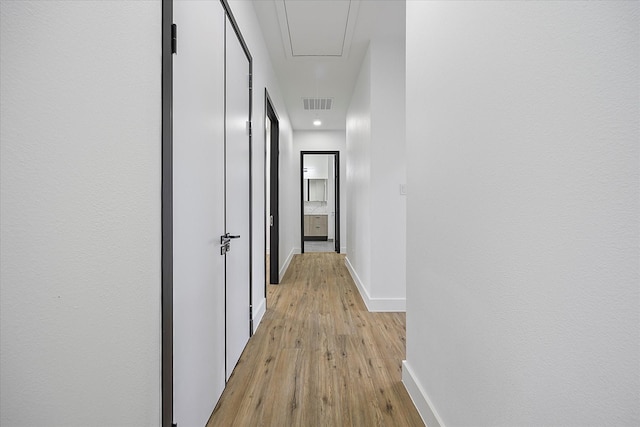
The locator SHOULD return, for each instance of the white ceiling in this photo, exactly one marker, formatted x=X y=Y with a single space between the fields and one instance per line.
x=317 y=47
x=315 y=28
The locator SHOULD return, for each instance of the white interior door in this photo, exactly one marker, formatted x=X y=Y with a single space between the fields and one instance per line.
x=237 y=197
x=198 y=192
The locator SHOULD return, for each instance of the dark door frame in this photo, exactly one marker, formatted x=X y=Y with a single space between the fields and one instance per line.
x=166 y=293
x=336 y=155
x=274 y=225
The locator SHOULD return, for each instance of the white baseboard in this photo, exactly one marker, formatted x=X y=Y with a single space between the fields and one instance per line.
x=343 y=249
x=375 y=304
x=420 y=399
x=285 y=266
x=259 y=313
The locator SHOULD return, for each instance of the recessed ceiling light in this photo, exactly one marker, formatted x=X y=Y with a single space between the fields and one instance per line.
x=317 y=122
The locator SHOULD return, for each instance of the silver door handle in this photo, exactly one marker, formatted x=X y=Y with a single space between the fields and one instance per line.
x=225 y=242
x=226 y=237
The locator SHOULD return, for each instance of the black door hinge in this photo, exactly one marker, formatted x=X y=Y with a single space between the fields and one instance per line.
x=174 y=38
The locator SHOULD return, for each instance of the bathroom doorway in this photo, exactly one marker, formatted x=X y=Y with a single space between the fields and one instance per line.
x=320 y=201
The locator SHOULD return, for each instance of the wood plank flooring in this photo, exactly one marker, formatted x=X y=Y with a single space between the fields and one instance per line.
x=319 y=358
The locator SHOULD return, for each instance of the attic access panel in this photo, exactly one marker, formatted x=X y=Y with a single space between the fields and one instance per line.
x=318 y=27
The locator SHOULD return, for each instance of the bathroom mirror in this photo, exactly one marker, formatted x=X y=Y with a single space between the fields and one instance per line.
x=315 y=190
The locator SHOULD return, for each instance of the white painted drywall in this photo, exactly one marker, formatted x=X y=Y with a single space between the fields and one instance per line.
x=388 y=170
x=264 y=76
x=315 y=167
x=324 y=140
x=523 y=207
x=80 y=213
x=358 y=159
x=376 y=168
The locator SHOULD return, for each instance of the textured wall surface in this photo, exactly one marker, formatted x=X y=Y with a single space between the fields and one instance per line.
x=522 y=267
x=80 y=213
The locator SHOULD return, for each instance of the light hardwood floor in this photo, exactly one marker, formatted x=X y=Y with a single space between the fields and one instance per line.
x=319 y=358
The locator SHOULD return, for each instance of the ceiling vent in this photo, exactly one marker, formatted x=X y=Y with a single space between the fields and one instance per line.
x=317 y=103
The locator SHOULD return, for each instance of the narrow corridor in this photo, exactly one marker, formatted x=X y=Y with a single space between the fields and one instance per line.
x=319 y=358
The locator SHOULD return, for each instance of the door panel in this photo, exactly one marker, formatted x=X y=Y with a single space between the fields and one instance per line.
x=198 y=191
x=274 y=223
x=237 y=198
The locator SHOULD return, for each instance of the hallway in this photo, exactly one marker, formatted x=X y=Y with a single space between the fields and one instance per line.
x=319 y=358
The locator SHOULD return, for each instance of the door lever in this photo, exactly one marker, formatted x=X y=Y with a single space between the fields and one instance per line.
x=226 y=237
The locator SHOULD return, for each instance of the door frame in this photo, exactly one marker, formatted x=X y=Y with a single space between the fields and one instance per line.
x=336 y=160
x=166 y=291
x=274 y=192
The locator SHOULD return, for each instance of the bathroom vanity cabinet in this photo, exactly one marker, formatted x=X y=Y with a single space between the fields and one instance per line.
x=316 y=227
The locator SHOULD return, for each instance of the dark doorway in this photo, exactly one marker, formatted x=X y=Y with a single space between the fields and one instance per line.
x=320 y=199
x=272 y=132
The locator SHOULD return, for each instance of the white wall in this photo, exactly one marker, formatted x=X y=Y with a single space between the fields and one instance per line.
x=359 y=178
x=264 y=76
x=522 y=260
x=376 y=170
x=388 y=171
x=80 y=213
x=322 y=140
x=315 y=167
